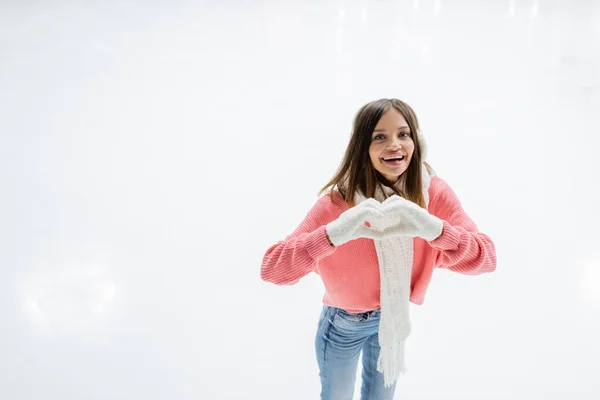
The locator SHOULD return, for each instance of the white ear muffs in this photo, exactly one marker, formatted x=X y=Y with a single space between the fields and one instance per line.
x=423 y=145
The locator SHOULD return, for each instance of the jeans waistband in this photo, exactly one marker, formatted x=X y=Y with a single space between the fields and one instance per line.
x=365 y=315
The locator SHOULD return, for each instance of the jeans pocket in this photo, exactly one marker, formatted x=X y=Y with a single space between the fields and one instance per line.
x=345 y=320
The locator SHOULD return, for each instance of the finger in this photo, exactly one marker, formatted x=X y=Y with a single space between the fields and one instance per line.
x=373 y=214
x=392 y=199
x=358 y=211
x=403 y=207
x=395 y=207
x=396 y=231
x=371 y=203
x=369 y=233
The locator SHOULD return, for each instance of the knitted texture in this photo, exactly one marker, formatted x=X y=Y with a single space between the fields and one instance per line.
x=408 y=219
x=395 y=258
x=351 y=224
x=350 y=272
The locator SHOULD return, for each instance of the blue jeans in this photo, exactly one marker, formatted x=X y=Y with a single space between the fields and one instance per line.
x=341 y=336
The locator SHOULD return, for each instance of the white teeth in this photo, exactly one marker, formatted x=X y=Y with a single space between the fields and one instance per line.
x=394 y=158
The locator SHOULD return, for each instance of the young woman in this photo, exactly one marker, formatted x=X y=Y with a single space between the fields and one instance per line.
x=375 y=239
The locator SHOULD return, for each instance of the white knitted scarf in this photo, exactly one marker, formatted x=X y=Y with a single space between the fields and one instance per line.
x=395 y=256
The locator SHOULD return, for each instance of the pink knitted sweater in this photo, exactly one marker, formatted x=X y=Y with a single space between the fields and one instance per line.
x=350 y=272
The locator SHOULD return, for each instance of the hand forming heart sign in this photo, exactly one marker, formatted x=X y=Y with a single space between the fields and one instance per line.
x=371 y=219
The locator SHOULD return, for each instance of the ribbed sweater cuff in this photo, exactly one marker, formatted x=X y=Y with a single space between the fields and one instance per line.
x=448 y=240
x=317 y=244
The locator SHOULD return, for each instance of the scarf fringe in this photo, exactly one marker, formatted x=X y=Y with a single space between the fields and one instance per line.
x=391 y=362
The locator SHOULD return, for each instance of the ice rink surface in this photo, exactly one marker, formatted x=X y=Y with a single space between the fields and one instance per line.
x=151 y=152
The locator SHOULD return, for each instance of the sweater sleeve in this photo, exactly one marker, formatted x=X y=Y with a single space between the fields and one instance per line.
x=287 y=261
x=462 y=247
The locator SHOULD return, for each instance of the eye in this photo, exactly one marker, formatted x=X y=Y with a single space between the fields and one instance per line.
x=404 y=134
x=379 y=137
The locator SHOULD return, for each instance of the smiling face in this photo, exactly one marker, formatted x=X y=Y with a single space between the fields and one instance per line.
x=391 y=146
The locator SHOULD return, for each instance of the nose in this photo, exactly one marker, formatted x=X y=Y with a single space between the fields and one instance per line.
x=395 y=143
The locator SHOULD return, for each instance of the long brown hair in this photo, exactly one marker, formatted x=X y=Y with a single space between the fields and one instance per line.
x=356 y=172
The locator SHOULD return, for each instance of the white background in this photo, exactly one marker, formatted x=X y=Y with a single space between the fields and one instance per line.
x=151 y=152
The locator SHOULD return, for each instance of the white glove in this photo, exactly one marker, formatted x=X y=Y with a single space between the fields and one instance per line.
x=350 y=224
x=405 y=218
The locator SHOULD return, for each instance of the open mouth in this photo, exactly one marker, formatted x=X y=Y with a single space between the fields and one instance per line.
x=393 y=160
